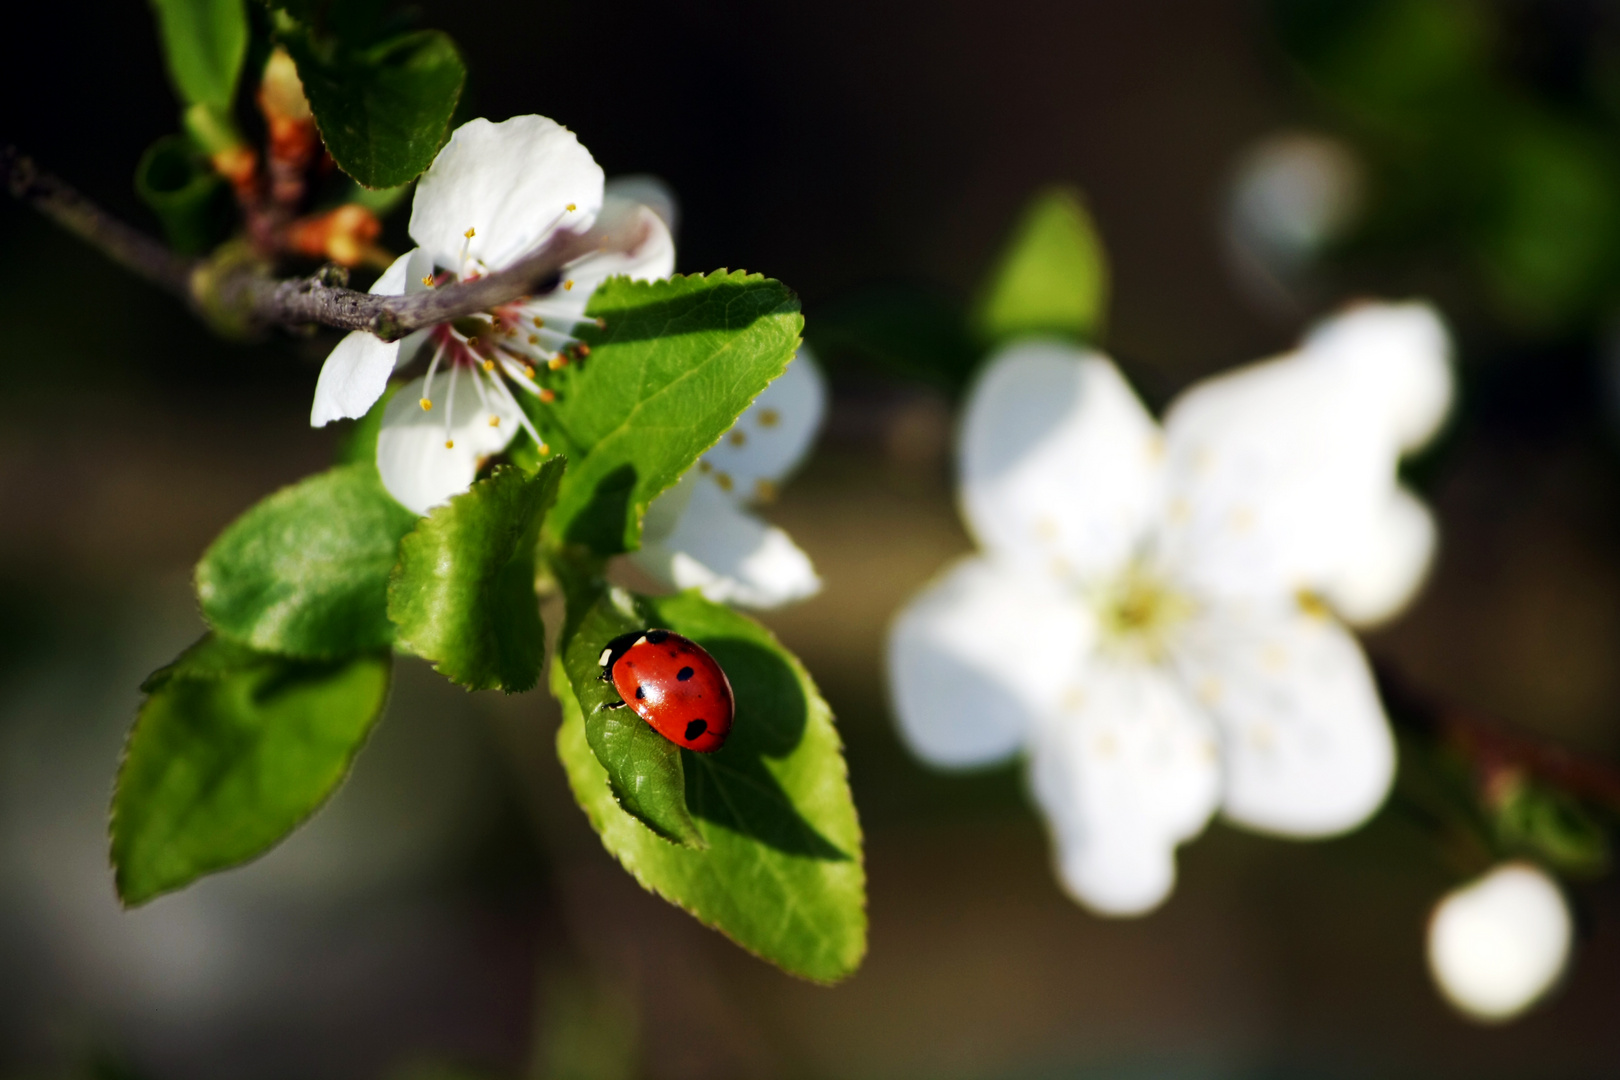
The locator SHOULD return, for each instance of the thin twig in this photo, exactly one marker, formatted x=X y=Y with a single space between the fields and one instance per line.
x=127 y=246
x=1492 y=746
x=242 y=295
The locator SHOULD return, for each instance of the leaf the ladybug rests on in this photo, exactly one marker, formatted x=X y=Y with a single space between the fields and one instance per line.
x=673 y=684
x=645 y=771
x=779 y=867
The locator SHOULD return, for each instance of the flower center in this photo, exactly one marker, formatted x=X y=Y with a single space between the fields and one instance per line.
x=1138 y=612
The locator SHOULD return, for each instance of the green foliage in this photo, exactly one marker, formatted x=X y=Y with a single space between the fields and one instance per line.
x=645 y=771
x=383 y=107
x=781 y=873
x=1478 y=169
x=305 y=572
x=463 y=595
x=1051 y=278
x=187 y=195
x=1535 y=819
x=230 y=752
x=675 y=365
x=204 y=42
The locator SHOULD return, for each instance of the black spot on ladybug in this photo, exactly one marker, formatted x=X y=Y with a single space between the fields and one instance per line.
x=657 y=636
x=641 y=693
x=696 y=728
x=684 y=674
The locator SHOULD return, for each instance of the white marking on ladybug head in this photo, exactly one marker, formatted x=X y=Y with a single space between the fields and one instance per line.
x=601 y=661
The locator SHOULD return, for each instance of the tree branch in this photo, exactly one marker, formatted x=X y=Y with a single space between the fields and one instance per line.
x=239 y=294
x=1492 y=746
x=127 y=246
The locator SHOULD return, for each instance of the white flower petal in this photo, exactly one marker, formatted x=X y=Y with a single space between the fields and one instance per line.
x=1499 y=943
x=649 y=191
x=729 y=554
x=404 y=275
x=353 y=378
x=773 y=434
x=1277 y=473
x=1059 y=461
x=1126 y=772
x=654 y=258
x=977 y=657
x=1306 y=747
x=1404 y=351
x=1387 y=571
x=417 y=468
x=511 y=183
x=356 y=372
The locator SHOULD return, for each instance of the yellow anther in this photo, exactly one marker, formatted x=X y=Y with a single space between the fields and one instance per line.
x=705 y=467
x=764 y=490
x=449 y=444
x=534 y=339
x=470 y=233
x=494 y=421
x=571 y=207
x=738 y=438
x=569 y=284
x=556 y=362
x=539 y=322
x=548 y=395
x=601 y=323
x=724 y=480
x=426 y=404
x=489 y=365
x=427 y=279
x=544 y=449
x=528 y=369
x=769 y=418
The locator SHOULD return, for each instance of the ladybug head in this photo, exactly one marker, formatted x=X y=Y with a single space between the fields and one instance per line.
x=621 y=645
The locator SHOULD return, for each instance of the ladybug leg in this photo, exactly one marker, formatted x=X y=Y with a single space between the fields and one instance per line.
x=613 y=706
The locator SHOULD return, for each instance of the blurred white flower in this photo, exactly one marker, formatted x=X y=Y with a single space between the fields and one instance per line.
x=495 y=193
x=1150 y=615
x=1291 y=195
x=700 y=533
x=1498 y=944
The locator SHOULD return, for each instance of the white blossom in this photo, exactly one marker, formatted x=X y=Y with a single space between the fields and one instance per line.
x=702 y=534
x=1150 y=615
x=494 y=194
x=1498 y=944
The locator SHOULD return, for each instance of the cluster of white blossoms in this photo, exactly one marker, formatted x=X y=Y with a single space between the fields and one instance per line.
x=494 y=194
x=1497 y=945
x=1155 y=615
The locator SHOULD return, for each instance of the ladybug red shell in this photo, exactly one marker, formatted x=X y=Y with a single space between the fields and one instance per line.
x=674 y=685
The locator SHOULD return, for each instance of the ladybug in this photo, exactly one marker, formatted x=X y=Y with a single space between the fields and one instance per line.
x=673 y=684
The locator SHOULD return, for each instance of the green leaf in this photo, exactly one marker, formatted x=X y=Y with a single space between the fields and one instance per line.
x=204 y=42
x=229 y=753
x=187 y=195
x=384 y=109
x=782 y=873
x=305 y=572
x=677 y=362
x=1538 y=819
x=1052 y=277
x=644 y=769
x=463 y=595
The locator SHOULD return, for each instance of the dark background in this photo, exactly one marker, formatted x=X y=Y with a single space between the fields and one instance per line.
x=451 y=910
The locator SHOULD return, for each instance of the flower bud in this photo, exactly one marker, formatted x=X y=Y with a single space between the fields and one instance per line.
x=291 y=124
x=1497 y=945
x=344 y=235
